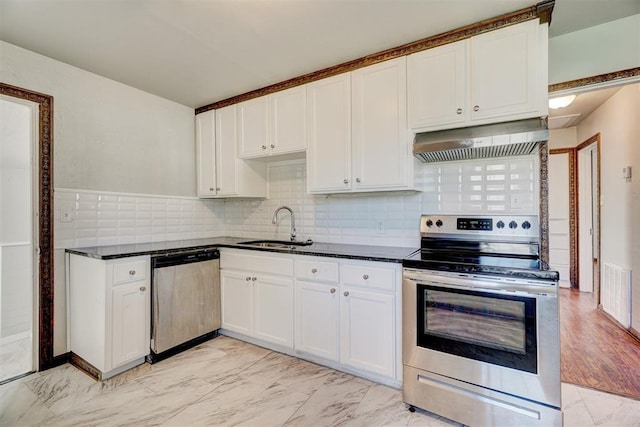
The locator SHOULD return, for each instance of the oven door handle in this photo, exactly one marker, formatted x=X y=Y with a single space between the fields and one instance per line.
x=497 y=286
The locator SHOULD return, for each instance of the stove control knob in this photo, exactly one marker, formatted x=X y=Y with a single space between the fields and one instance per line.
x=429 y=223
x=526 y=225
x=439 y=223
x=513 y=225
x=500 y=224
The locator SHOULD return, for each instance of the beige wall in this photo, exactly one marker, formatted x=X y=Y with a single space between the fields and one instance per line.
x=563 y=138
x=596 y=50
x=618 y=122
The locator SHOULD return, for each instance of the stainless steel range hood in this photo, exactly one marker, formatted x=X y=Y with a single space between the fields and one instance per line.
x=496 y=140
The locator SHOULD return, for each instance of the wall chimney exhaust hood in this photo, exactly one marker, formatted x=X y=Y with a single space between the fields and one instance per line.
x=515 y=138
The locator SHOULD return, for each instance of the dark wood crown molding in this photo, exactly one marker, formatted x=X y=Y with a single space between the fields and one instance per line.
x=541 y=10
x=594 y=80
x=45 y=221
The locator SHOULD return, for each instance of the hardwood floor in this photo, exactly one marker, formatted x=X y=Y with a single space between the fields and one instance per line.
x=595 y=352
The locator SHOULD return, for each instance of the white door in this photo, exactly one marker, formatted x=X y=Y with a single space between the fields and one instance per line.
x=226 y=154
x=367 y=338
x=253 y=128
x=437 y=86
x=289 y=120
x=329 y=134
x=503 y=72
x=18 y=137
x=206 y=153
x=237 y=301
x=316 y=319
x=559 y=243
x=585 y=222
x=274 y=310
x=130 y=327
x=380 y=145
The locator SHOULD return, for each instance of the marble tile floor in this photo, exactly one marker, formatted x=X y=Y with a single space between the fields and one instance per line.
x=229 y=382
x=15 y=357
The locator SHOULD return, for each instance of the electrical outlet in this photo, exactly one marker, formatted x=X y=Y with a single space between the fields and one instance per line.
x=66 y=215
x=380 y=227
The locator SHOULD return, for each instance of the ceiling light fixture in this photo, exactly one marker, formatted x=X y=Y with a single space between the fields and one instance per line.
x=562 y=102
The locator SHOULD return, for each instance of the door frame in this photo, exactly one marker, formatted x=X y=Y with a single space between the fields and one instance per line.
x=45 y=218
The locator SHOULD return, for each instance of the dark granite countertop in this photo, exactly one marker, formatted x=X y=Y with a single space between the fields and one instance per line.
x=335 y=250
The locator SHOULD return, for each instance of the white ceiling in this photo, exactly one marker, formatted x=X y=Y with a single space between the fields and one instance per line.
x=584 y=104
x=195 y=52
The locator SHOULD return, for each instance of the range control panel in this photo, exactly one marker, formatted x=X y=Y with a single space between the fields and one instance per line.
x=499 y=225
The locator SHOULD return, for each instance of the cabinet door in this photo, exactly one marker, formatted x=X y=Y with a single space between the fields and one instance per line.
x=274 y=309
x=237 y=301
x=226 y=154
x=316 y=319
x=504 y=72
x=329 y=135
x=206 y=154
x=289 y=120
x=437 y=86
x=381 y=156
x=253 y=128
x=367 y=331
x=130 y=327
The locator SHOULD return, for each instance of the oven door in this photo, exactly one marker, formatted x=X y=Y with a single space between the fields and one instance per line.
x=489 y=332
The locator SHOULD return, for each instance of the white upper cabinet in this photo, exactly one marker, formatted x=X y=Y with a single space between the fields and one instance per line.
x=357 y=131
x=273 y=125
x=493 y=77
x=219 y=171
x=381 y=146
x=329 y=135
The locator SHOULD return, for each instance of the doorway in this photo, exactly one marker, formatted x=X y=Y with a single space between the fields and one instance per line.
x=18 y=239
x=41 y=220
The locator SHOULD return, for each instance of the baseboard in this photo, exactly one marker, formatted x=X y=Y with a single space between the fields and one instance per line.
x=85 y=366
x=635 y=333
x=60 y=359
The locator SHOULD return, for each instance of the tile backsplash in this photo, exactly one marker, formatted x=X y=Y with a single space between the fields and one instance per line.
x=503 y=185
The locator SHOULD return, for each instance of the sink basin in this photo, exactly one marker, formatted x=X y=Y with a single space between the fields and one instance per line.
x=276 y=243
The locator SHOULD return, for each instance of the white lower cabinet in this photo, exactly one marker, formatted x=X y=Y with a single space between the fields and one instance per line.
x=347 y=312
x=257 y=295
x=109 y=313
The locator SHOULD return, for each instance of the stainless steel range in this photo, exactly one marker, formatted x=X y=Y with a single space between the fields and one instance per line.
x=481 y=342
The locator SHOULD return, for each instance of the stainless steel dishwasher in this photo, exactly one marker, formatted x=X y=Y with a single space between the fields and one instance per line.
x=185 y=296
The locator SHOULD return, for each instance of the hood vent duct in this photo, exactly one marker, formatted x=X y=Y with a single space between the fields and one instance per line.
x=496 y=140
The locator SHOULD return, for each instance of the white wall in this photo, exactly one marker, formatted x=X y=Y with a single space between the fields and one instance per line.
x=563 y=138
x=618 y=122
x=108 y=136
x=601 y=49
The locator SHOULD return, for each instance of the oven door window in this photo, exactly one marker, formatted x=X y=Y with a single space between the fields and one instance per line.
x=493 y=328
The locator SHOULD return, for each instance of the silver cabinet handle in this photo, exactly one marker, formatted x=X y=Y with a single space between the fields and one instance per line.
x=253 y=279
x=365 y=276
x=248 y=279
x=357 y=179
x=333 y=290
x=476 y=107
x=132 y=272
x=211 y=189
x=273 y=145
x=143 y=288
x=217 y=188
x=264 y=147
x=346 y=181
x=346 y=293
x=314 y=270
x=459 y=111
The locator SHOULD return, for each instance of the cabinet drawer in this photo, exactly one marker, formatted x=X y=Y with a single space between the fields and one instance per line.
x=250 y=261
x=368 y=276
x=129 y=271
x=317 y=271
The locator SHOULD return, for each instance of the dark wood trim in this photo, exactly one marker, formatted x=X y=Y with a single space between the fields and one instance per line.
x=85 y=366
x=541 y=10
x=573 y=213
x=61 y=359
x=635 y=333
x=594 y=80
x=544 y=201
x=45 y=223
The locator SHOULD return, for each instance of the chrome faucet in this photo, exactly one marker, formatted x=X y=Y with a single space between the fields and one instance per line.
x=293 y=220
